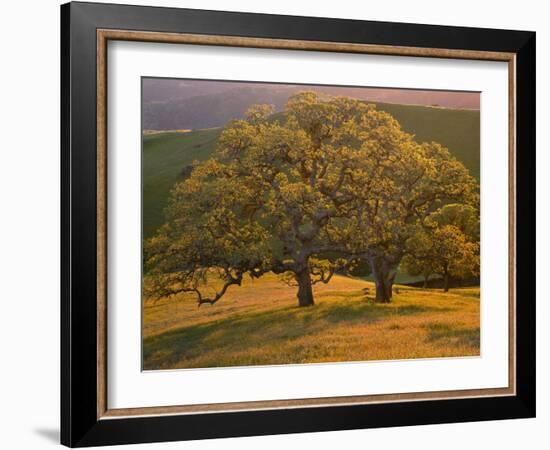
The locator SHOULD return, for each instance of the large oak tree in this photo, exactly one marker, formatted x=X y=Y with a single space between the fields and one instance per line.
x=305 y=193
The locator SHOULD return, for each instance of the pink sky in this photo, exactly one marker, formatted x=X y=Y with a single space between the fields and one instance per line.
x=159 y=89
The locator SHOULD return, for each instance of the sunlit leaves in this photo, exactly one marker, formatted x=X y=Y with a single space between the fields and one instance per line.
x=325 y=183
x=446 y=244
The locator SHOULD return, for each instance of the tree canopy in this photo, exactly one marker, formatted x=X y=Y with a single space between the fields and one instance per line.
x=447 y=244
x=325 y=185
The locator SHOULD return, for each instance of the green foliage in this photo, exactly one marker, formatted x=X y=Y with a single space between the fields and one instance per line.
x=447 y=244
x=164 y=154
x=463 y=216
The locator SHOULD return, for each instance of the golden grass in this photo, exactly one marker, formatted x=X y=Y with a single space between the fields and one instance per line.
x=261 y=324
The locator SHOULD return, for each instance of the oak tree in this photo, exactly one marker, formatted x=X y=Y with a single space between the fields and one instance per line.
x=447 y=244
x=305 y=194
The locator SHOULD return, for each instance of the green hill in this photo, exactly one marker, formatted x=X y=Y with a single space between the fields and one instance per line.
x=456 y=129
x=166 y=154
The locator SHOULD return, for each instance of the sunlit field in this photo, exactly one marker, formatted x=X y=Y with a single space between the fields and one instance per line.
x=260 y=323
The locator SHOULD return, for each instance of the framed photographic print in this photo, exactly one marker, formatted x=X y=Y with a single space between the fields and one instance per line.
x=276 y=224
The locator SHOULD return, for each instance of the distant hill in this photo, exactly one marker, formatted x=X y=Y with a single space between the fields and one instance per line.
x=212 y=105
x=209 y=110
x=166 y=154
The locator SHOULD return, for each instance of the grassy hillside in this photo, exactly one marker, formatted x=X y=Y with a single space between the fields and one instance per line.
x=259 y=323
x=456 y=129
x=165 y=154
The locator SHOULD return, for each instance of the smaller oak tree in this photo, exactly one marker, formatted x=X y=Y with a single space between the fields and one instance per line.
x=446 y=244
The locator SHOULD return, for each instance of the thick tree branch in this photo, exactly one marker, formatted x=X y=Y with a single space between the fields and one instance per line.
x=229 y=281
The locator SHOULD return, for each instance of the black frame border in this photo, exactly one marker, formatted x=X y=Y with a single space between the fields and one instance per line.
x=79 y=424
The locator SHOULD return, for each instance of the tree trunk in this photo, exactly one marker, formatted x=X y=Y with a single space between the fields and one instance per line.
x=426 y=281
x=382 y=280
x=446 y=282
x=305 y=292
x=389 y=285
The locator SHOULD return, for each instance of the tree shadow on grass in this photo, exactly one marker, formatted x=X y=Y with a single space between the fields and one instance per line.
x=238 y=333
x=445 y=334
x=369 y=312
